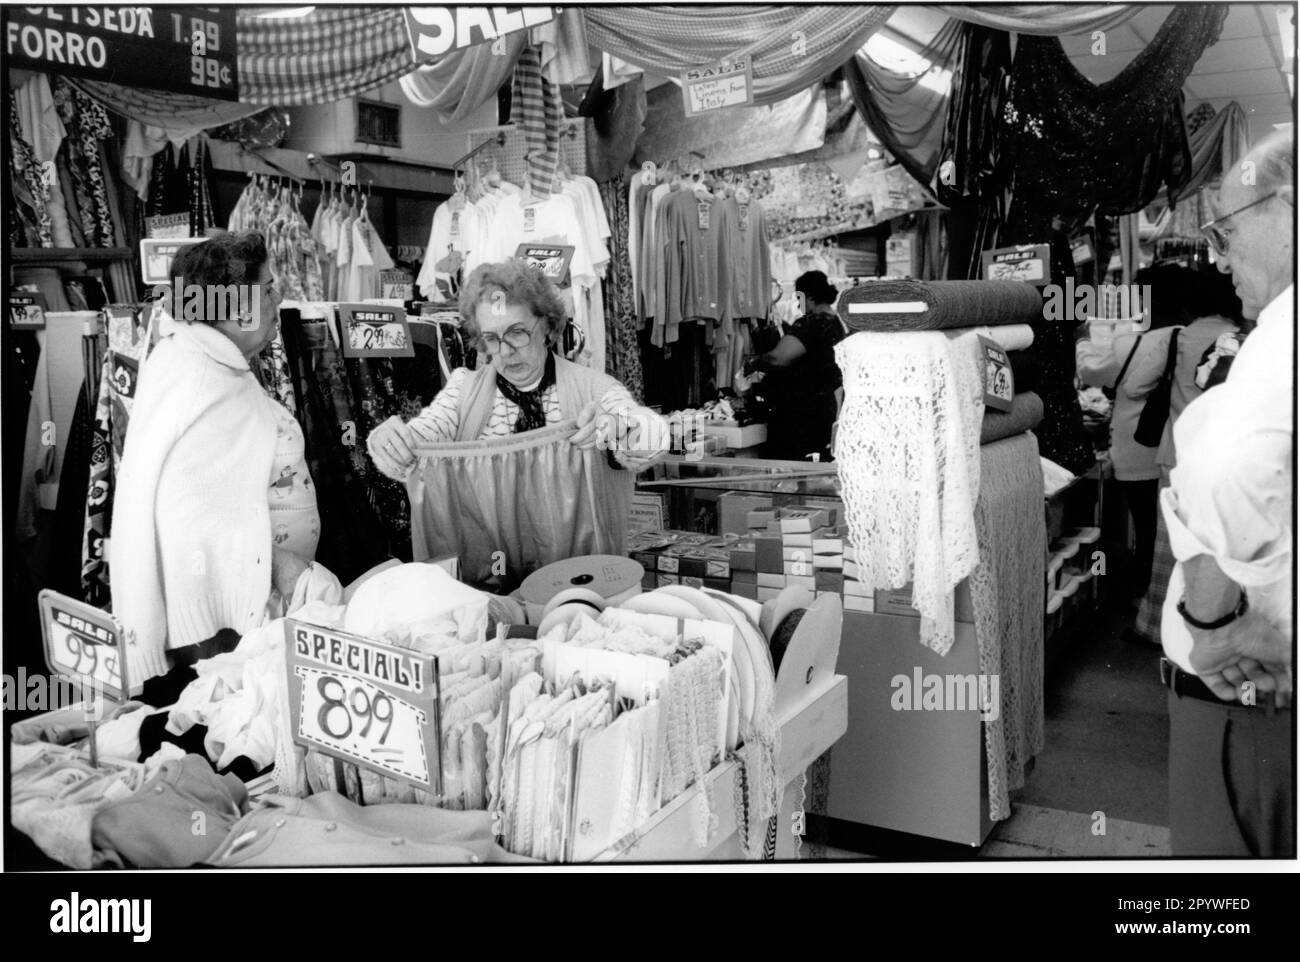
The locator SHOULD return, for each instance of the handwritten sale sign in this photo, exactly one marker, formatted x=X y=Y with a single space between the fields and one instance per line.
x=727 y=84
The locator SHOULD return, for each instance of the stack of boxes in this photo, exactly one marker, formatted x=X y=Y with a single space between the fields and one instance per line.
x=802 y=546
x=681 y=558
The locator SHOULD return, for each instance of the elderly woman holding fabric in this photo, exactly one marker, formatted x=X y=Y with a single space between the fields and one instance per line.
x=528 y=435
x=215 y=511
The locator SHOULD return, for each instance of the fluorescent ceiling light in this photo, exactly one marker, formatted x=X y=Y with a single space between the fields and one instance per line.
x=891 y=54
x=285 y=13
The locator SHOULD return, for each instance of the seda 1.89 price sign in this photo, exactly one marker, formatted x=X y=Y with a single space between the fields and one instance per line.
x=365 y=702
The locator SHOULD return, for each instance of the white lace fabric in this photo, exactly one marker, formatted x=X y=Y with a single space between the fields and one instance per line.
x=907 y=450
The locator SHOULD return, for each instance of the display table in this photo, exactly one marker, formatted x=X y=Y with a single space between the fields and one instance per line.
x=807 y=730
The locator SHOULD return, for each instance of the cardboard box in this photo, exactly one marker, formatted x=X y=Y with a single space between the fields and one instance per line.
x=899 y=602
x=801 y=581
x=768 y=580
x=740 y=577
x=664 y=579
x=650 y=581
x=802 y=555
x=858 y=589
x=733 y=435
x=734 y=508
x=668 y=561
x=828 y=581
x=760 y=518
x=693 y=582
x=718 y=584
x=830 y=562
x=798 y=541
x=833 y=507
x=798 y=568
x=854 y=603
x=745 y=591
x=742 y=556
x=768 y=555
x=796 y=520
x=828 y=546
x=648 y=511
x=851 y=569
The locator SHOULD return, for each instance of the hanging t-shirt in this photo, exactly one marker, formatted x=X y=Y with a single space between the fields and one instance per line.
x=369 y=257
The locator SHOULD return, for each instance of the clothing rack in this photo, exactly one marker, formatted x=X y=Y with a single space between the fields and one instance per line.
x=509 y=143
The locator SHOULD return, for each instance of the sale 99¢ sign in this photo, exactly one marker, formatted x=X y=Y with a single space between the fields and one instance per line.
x=83 y=642
x=365 y=702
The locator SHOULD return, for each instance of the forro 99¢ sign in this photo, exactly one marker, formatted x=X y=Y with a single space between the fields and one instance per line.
x=365 y=702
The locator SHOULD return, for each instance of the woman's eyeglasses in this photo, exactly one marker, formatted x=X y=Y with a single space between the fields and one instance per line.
x=517 y=337
x=1218 y=237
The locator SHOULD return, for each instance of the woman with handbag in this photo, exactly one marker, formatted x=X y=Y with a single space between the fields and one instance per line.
x=1136 y=472
x=1163 y=379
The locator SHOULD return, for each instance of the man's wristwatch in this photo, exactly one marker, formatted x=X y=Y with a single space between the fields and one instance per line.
x=1227 y=619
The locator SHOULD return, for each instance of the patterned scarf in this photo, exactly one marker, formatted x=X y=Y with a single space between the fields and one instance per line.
x=532 y=412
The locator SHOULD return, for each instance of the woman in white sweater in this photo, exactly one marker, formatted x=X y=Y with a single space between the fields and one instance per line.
x=214 y=506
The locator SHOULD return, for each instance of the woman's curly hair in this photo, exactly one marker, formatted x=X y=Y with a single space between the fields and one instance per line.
x=514 y=282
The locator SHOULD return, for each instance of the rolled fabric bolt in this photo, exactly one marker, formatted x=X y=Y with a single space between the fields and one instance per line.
x=784 y=632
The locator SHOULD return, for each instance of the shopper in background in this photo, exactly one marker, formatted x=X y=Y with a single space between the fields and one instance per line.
x=214 y=506
x=1112 y=366
x=802 y=376
x=1227 y=629
x=516 y=317
x=1211 y=311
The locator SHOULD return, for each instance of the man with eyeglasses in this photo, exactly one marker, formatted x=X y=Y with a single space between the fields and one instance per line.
x=1227 y=620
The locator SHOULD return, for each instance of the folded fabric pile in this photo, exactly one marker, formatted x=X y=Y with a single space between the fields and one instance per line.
x=912 y=423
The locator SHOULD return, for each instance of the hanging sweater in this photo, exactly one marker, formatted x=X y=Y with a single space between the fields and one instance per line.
x=191 y=546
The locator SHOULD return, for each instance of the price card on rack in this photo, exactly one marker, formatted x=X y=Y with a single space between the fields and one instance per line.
x=371 y=330
x=999 y=383
x=365 y=702
x=553 y=261
x=396 y=285
x=83 y=643
x=26 y=310
x=1029 y=262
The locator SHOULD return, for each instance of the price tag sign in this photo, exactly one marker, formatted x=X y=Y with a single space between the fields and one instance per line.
x=1029 y=262
x=727 y=84
x=181 y=49
x=365 y=702
x=1081 y=251
x=156 y=257
x=370 y=330
x=553 y=261
x=26 y=310
x=999 y=382
x=167 y=226
x=396 y=285
x=84 y=643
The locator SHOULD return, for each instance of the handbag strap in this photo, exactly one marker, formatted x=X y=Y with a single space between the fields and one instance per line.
x=1171 y=359
x=1127 y=361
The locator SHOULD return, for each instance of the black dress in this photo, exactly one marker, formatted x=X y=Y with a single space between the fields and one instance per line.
x=802 y=396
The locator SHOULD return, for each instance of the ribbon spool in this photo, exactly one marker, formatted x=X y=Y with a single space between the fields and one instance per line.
x=611 y=578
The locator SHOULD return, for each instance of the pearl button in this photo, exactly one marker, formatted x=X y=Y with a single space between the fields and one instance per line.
x=330 y=826
x=399 y=841
x=158 y=789
x=474 y=859
x=280 y=822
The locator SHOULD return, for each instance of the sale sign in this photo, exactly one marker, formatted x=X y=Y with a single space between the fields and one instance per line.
x=83 y=643
x=727 y=84
x=371 y=330
x=435 y=32
x=365 y=702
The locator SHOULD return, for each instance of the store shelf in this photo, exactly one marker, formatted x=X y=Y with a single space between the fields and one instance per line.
x=807 y=731
x=49 y=255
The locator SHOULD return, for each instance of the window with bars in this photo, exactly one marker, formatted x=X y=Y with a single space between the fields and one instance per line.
x=379 y=124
